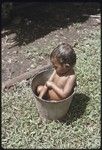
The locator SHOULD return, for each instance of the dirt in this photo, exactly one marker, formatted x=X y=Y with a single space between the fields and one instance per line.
x=43 y=36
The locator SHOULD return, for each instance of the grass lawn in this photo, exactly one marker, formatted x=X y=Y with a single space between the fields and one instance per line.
x=20 y=126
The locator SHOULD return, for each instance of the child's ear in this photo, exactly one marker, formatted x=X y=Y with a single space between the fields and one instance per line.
x=67 y=65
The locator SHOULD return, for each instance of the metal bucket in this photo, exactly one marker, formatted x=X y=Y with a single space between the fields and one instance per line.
x=49 y=110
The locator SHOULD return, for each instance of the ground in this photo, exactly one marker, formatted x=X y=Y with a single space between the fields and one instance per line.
x=27 y=41
x=34 y=37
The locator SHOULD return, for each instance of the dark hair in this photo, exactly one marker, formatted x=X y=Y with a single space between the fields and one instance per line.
x=64 y=53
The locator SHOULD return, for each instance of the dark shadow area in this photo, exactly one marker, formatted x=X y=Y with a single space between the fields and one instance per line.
x=39 y=19
x=77 y=108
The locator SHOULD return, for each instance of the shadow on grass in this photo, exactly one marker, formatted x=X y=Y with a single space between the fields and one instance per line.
x=77 y=108
x=39 y=19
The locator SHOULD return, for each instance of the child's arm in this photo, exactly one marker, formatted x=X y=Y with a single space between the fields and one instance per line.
x=43 y=92
x=52 y=76
x=65 y=92
x=45 y=88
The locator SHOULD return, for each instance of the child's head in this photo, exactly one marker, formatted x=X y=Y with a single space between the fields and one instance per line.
x=63 y=55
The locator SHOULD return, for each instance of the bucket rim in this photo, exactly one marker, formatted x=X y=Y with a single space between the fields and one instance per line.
x=53 y=101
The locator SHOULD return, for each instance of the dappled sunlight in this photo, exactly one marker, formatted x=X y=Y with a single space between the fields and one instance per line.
x=38 y=20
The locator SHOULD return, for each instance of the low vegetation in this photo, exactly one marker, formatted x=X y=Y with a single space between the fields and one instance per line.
x=81 y=128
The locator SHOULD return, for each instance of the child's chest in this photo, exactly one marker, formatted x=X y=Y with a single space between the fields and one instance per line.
x=60 y=81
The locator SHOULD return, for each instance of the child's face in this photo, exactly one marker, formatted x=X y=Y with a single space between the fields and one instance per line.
x=61 y=69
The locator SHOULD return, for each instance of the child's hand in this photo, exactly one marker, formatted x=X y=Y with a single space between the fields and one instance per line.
x=49 y=84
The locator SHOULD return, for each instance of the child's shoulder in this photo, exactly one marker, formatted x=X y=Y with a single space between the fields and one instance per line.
x=72 y=79
x=72 y=76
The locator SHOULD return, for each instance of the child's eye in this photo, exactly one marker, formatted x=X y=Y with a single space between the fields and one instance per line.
x=54 y=66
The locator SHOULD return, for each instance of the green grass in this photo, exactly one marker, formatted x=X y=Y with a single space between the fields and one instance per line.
x=81 y=129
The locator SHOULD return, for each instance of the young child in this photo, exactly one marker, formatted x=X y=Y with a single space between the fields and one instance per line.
x=63 y=80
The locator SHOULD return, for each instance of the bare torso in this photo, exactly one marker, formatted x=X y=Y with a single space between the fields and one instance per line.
x=58 y=86
x=60 y=81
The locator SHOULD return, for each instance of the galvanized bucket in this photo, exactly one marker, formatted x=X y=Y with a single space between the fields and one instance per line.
x=49 y=110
